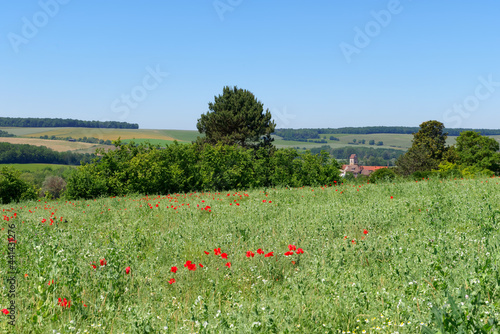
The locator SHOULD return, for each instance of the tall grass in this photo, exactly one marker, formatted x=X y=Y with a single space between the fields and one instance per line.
x=425 y=242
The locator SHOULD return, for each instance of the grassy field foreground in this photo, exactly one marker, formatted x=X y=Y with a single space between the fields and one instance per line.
x=376 y=259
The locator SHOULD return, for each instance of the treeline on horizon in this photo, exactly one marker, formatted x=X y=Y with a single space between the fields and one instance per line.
x=368 y=156
x=25 y=153
x=301 y=134
x=29 y=122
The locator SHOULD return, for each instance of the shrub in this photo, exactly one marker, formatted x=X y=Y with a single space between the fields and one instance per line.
x=383 y=174
x=147 y=169
x=54 y=185
x=13 y=189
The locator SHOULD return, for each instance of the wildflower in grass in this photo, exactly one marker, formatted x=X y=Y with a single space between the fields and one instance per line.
x=292 y=247
x=206 y=252
x=127 y=270
x=260 y=251
x=224 y=256
x=64 y=302
x=365 y=231
x=250 y=254
x=269 y=254
x=392 y=197
x=93 y=265
x=200 y=265
x=5 y=311
x=217 y=251
x=228 y=264
x=190 y=265
x=353 y=241
x=173 y=269
x=103 y=262
x=300 y=251
x=172 y=281
x=288 y=253
x=50 y=282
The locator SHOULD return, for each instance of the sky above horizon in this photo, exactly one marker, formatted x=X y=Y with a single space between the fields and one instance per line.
x=312 y=64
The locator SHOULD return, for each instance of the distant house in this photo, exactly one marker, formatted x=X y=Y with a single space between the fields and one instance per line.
x=71 y=139
x=356 y=169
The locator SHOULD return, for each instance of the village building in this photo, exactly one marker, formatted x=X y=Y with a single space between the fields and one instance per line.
x=356 y=169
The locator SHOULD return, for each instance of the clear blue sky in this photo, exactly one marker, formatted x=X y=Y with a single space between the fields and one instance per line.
x=313 y=64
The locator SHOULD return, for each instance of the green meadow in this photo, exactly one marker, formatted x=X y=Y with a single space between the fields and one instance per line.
x=349 y=258
x=34 y=167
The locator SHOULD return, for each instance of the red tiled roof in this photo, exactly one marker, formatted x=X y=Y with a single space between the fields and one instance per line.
x=352 y=156
x=373 y=167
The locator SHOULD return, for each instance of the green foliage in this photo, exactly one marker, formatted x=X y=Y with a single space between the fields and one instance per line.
x=59 y=122
x=236 y=117
x=381 y=175
x=368 y=155
x=6 y=134
x=13 y=189
x=475 y=150
x=149 y=169
x=297 y=134
x=25 y=153
x=427 y=151
x=461 y=314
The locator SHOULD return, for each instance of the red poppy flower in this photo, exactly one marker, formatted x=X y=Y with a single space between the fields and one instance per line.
x=64 y=302
x=103 y=262
x=292 y=247
x=392 y=197
x=288 y=253
x=173 y=269
x=353 y=241
x=206 y=252
x=172 y=281
x=269 y=254
x=365 y=231
x=217 y=251
x=300 y=251
x=228 y=264
x=127 y=270
x=94 y=266
x=5 y=311
x=200 y=265
x=224 y=256
x=260 y=251
x=250 y=254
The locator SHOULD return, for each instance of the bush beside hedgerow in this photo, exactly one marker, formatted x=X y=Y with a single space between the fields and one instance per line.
x=149 y=169
x=13 y=189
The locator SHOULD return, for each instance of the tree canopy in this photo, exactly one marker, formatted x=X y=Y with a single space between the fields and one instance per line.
x=472 y=149
x=427 y=150
x=236 y=117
